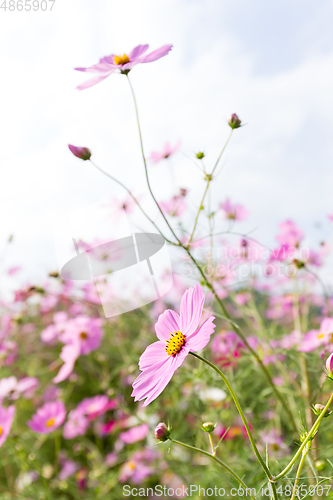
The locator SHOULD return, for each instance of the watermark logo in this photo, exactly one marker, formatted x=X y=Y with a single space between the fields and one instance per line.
x=102 y=244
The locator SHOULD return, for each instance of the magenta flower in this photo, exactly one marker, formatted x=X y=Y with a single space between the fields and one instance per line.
x=134 y=434
x=233 y=211
x=107 y=65
x=48 y=418
x=167 y=151
x=6 y=420
x=178 y=335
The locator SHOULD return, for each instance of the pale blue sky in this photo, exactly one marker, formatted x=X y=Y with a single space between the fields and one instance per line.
x=271 y=62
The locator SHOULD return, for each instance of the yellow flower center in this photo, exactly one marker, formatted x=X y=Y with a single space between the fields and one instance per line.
x=83 y=335
x=175 y=343
x=121 y=59
x=0 y=431
x=320 y=335
x=131 y=465
x=50 y=422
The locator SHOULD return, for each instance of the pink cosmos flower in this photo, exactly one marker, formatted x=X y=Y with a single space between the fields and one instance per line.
x=233 y=211
x=134 y=434
x=317 y=338
x=330 y=217
x=68 y=466
x=107 y=65
x=139 y=466
x=96 y=406
x=76 y=425
x=290 y=234
x=81 y=336
x=48 y=418
x=227 y=348
x=167 y=151
x=174 y=207
x=6 y=420
x=178 y=335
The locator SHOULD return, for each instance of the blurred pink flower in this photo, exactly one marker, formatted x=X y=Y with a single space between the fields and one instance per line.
x=178 y=335
x=233 y=211
x=111 y=458
x=48 y=418
x=290 y=234
x=107 y=65
x=317 y=338
x=138 y=467
x=96 y=406
x=6 y=421
x=274 y=443
x=76 y=425
x=283 y=253
x=134 y=434
x=68 y=467
x=167 y=151
x=13 y=270
x=226 y=348
x=174 y=207
x=329 y=364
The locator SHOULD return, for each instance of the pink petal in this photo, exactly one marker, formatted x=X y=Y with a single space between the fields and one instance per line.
x=138 y=51
x=157 y=54
x=96 y=68
x=94 y=81
x=191 y=309
x=153 y=354
x=200 y=338
x=167 y=323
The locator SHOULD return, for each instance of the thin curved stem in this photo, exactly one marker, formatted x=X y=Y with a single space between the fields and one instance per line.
x=225 y=466
x=240 y=411
x=145 y=162
x=133 y=198
x=223 y=149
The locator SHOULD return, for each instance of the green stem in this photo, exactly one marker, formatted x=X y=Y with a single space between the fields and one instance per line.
x=299 y=471
x=225 y=466
x=57 y=446
x=306 y=440
x=212 y=444
x=240 y=411
x=145 y=163
x=200 y=209
x=225 y=145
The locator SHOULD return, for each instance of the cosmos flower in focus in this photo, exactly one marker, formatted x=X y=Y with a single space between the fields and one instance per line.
x=48 y=418
x=167 y=151
x=178 y=335
x=107 y=65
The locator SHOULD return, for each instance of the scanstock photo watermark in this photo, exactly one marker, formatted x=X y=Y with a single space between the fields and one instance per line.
x=195 y=490
x=244 y=261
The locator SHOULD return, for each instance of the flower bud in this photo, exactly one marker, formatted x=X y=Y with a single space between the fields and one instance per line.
x=208 y=426
x=320 y=464
x=82 y=153
x=234 y=121
x=318 y=408
x=200 y=155
x=162 y=433
x=329 y=366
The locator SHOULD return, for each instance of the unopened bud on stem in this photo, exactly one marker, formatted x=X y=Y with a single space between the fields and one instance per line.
x=162 y=432
x=82 y=153
x=208 y=426
x=234 y=121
